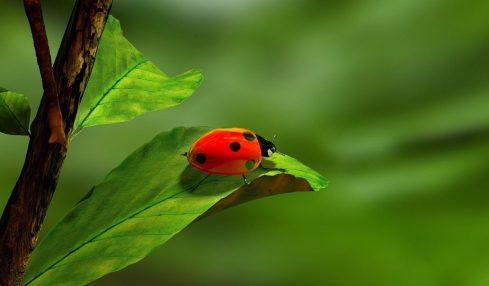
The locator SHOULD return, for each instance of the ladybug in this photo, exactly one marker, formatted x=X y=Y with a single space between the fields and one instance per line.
x=229 y=151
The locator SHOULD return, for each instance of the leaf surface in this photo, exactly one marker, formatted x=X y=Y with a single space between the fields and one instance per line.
x=14 y=113
x=144 y=202
x=124 y=84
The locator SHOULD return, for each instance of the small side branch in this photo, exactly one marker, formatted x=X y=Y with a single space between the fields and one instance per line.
x=34 y=14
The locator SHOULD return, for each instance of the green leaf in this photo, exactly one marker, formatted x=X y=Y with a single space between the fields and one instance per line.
x=14 y=113
x=124 y=84
x=145 y=201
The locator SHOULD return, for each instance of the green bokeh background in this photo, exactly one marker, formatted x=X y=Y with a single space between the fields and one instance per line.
x=388 y=99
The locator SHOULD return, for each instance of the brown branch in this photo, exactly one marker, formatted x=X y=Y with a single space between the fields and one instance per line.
x=27 y=206
x=34 y=15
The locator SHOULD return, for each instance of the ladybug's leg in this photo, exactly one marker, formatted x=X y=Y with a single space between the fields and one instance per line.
x=245 y=180
x=199 y=183
x=272 y=169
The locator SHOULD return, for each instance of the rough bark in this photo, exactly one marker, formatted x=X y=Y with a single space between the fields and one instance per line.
x=27 y=206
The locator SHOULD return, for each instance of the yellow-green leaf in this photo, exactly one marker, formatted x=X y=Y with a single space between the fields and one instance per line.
x=124 y=84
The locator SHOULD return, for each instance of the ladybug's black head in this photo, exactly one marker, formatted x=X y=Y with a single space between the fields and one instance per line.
x=267 y=147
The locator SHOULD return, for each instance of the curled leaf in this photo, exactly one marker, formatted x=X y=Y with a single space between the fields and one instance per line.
x=144 y=202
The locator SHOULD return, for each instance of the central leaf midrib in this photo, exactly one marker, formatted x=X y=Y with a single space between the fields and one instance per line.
x=80 y=126
x=98 y=235
x=102 y=232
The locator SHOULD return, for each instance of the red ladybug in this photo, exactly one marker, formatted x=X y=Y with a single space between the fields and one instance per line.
x=229 y=151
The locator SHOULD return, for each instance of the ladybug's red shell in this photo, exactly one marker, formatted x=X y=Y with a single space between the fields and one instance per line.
x=230 y=151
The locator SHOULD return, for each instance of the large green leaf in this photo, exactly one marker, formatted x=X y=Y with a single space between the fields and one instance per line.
x=144 y=202
x=124 y=84
x=14 y=113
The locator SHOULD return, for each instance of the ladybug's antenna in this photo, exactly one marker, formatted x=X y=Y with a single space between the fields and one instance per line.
x=274 y=137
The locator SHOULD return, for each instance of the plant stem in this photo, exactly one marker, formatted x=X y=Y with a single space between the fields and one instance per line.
x=27 y=206
x=34 y=15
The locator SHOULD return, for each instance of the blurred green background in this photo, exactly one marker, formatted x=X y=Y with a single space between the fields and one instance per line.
x=388 y=99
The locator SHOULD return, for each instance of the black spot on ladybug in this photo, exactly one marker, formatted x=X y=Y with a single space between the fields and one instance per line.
x=249 y=136
x=200 y=158
x=235 y=146
x=250 y=164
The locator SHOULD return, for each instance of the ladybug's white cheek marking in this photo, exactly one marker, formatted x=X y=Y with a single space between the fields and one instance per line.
x=269 y=152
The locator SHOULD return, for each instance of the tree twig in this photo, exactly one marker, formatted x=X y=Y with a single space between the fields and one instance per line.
x=34 y=15
x=27 y=206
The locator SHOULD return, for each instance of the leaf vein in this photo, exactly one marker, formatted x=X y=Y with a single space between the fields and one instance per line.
x=80 y=126
x=14 y=116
